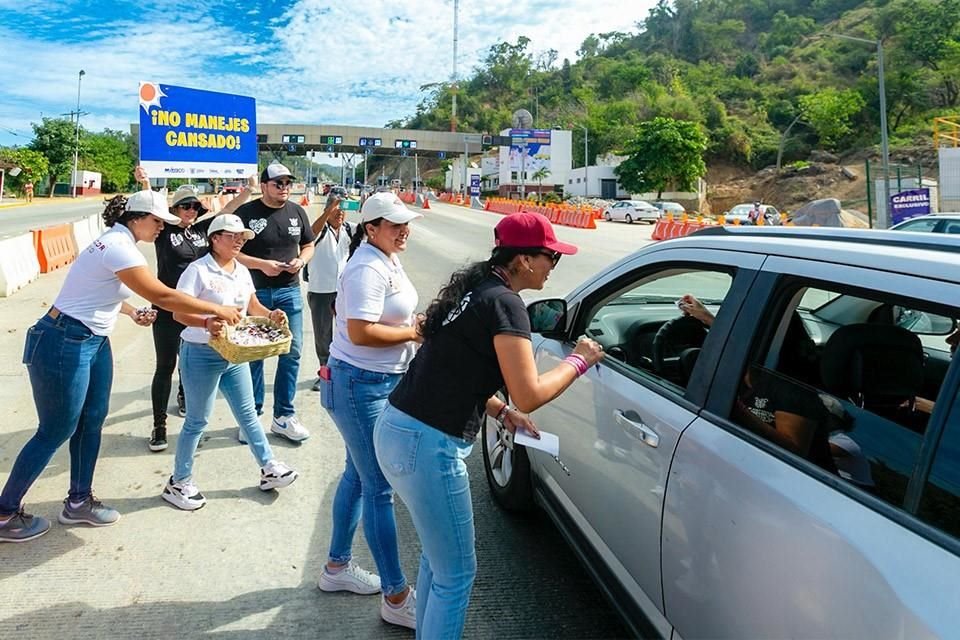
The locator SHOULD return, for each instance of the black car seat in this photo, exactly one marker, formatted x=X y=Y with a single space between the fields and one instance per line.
x=883 y=314
x=879 y=367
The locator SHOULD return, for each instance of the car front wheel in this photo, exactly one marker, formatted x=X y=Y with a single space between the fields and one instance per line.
x=507 y=467
x=608 y=217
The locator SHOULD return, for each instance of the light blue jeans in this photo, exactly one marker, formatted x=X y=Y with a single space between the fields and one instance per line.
x=71 y=372
x=358 y=397
x=288 y=365
x=426 y=468
x=203 y=371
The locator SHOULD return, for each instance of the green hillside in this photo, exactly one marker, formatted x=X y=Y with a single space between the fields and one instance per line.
x=743 y=69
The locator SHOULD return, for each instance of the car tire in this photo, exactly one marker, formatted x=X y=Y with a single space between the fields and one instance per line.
x=507 y=467
x=608 y=217
x=628 y=219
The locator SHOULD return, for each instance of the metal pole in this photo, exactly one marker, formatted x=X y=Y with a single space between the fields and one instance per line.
x=456 y=32
x=884 y=142
x=869 y=194
x=586 y=161
x=416 y=173
x=366 y=161
x=523 y=171
x=466 y=157
x=76 y=147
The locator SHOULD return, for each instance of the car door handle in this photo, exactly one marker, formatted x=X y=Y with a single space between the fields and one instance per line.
x=637 y=429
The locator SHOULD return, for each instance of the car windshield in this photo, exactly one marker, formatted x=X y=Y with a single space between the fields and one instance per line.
x=741 y=209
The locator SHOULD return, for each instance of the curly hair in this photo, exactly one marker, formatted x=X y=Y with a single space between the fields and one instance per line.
x=115 y=212
x=464 y=281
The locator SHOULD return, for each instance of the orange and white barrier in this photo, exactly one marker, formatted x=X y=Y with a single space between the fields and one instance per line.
x=18 y=264
x=55 y=247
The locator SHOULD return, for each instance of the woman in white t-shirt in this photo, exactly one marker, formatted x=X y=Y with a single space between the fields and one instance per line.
x=219 y=277
x=373 y=342
x=70 y=363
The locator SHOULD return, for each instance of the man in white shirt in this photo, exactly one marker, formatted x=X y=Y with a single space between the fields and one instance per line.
x=329 y=258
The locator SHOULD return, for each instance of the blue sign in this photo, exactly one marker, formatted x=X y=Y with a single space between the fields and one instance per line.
x=201 y=133
x=474 y=185
x=909 y=204
x=441 y=154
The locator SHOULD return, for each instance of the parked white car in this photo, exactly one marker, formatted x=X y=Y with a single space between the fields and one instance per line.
x=630 y=210
x=741 y=212
x=674 y=208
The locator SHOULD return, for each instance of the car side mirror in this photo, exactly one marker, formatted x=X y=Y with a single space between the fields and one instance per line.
x=548 y=317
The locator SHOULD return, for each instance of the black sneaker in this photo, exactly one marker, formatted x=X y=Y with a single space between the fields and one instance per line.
x=158 y=439
x=181 y=404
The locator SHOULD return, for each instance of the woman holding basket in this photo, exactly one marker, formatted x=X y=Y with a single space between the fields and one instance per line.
x=219 y=277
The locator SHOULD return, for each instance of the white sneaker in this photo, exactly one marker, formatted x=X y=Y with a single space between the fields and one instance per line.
x=404 y=615
x=275 y=475
x=183 y=495
x=290 y=428
x=351 y=578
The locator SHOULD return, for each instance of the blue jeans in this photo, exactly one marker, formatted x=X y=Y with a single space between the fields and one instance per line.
x=204 y=371
x=288 y=366
x=426 y=468
x=358 y=397
x=71 y=373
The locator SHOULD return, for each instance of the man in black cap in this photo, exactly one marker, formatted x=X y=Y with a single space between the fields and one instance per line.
x=282 y=245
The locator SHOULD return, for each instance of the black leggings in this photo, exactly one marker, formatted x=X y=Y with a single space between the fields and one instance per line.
x=166 y=343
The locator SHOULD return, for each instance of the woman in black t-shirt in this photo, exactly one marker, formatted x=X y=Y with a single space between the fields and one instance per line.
x=476 y=339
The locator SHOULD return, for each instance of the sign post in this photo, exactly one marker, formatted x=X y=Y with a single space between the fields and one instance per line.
x=191 y=133
x=909 y=204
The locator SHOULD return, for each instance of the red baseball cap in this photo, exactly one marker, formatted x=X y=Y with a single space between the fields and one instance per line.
x=529 y=230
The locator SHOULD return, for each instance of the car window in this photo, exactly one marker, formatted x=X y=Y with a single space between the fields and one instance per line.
x=923 y=224
x=642 y=326
x=951 y=226
x=940 y=501
x=852 y=395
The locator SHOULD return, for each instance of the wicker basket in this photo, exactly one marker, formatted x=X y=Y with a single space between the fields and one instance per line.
x=236 y=353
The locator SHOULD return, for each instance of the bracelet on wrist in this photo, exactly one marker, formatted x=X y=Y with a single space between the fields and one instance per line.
x=578 y=362
x=504 y=410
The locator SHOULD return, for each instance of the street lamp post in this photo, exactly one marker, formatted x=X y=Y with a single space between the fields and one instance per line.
x=586 y=160
x=883 y=219
x=76 y=146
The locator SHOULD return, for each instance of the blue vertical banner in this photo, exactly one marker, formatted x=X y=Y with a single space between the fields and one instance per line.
x=474 y=185
x=192 y=133
x=909 y=204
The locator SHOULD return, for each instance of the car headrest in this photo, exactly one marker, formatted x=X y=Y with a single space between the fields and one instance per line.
x=881 y=315
x=873 y=361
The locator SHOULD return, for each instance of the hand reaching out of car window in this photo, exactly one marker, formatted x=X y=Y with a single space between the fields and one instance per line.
x=690 y=306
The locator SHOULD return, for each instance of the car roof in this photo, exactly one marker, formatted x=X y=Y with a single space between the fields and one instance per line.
x=940 y=214
x=934 y=256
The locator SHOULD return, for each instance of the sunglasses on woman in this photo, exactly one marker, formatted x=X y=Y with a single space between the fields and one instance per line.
x=190 y=205
x=553 y=255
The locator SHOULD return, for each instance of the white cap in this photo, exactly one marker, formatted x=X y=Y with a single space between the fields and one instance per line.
x=231 y=223
x=153 y=203
x=388 y=206
x=275 y=170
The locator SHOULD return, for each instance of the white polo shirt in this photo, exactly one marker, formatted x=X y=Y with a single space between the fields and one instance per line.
x=376 y=289
x=92 y=293
x=328 y=261
x=206 y=280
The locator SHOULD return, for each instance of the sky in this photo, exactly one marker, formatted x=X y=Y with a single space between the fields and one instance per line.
x=305 y=62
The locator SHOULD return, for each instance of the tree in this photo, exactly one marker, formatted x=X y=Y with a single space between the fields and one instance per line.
x=539 y=175
x=110 y=154
x=55 y=139
x=829 y=113
x=664 y=152
x=33 y=165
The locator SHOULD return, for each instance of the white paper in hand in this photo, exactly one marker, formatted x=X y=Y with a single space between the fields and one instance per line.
x=548 y=442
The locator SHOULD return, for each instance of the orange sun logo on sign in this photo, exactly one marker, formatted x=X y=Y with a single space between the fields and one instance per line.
x=150 y=95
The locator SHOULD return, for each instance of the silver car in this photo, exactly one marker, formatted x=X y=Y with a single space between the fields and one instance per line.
x=781 y=458
x=932 y=223
x=630 y=210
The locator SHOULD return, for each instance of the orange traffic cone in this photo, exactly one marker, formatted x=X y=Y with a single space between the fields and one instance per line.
x=305 y=201
x=426 y=203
